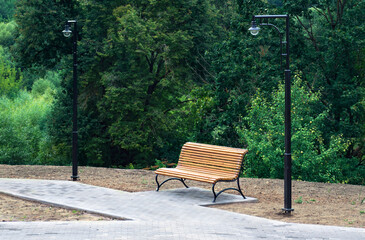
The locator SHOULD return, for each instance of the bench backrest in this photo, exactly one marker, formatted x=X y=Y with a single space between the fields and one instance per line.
x=211 y=159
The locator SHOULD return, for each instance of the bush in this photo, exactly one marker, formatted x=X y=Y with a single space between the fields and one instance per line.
x=48 y=85
x=313 y=157
x=8 y=33
x=22 y=131
x=13 y=148
x=10 y=79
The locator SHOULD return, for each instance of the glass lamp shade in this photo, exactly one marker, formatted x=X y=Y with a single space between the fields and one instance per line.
x=67 y=32
x=254 y=30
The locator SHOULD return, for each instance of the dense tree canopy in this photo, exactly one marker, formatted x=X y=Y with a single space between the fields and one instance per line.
x=41 y=42
x=334 y=46
x=155 y=74
x=7 y=9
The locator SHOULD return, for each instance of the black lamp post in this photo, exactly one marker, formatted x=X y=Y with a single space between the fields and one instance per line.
x=254 y=29
x=67 y=33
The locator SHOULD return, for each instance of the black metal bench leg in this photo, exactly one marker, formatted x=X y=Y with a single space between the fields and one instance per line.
x=215 y=195
x=183 y=181
x=158 y=185
x=239 y=188
x=179 y=179
x=236 y=189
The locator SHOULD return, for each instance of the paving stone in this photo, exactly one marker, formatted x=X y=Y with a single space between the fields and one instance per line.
x=169 y=214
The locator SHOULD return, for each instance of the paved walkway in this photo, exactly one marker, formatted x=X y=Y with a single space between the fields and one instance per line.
x=172 y=214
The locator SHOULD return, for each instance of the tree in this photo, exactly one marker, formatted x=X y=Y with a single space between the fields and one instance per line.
x=153 y=41
x=7 y=8
x=239 y=65
x=137 y=60
x=40 y=25
x=329 y=59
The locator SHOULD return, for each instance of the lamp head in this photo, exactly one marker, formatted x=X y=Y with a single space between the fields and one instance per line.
x=67 y=32
x=254 y=29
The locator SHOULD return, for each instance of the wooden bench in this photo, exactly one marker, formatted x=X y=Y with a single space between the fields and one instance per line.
x=206 y=163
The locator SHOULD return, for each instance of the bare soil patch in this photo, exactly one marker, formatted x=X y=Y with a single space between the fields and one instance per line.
x=313 y=203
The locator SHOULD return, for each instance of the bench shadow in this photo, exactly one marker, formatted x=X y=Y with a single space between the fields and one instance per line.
x=204 y=197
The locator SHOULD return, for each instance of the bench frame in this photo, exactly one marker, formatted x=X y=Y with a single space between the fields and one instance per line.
x=238 y=189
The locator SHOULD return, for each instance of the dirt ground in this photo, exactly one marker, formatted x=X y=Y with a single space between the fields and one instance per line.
x=313 y=203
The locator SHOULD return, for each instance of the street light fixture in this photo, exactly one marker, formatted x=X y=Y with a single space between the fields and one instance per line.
x=254 y=29
x=67 y=33
x=287 y=155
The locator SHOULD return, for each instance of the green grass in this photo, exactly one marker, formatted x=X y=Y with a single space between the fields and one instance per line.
x=299 y=200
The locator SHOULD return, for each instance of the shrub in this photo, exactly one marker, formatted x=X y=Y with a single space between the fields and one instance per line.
x=313 y=157
x=8 y=32
x=22 y=131
x=49 y=84
x=10 y=79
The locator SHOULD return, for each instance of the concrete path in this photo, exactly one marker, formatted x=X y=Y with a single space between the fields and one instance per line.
x=171 y=214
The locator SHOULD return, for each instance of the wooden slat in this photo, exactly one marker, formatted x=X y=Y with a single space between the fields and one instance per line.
x=213 y=155
x=216 y=154
x=217 y=151
x=208 y=146
x=189 y=176
x=207 y=171
x=220 y=151
x=208 y=168
x=212 y=162
x=211 y=168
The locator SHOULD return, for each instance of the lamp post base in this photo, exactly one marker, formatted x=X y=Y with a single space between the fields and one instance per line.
x=74 y=178
x=287 y=210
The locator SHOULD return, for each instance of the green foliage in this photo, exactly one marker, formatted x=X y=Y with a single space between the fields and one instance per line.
x=48 y=85
x=240 y=64
x=23 y=132
x=313 y=159
x=10 y=79
x=136 y=65
x=329 y=55
x=299 y=200
x=7 y=8
x=33 y=73
x=40 y=24
x=59 y=124
x=159 y=163
x=130 y=166
x=22 y=128
x=8 y=33
x=154 y=51
x=155 y=74
x=5 y=55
